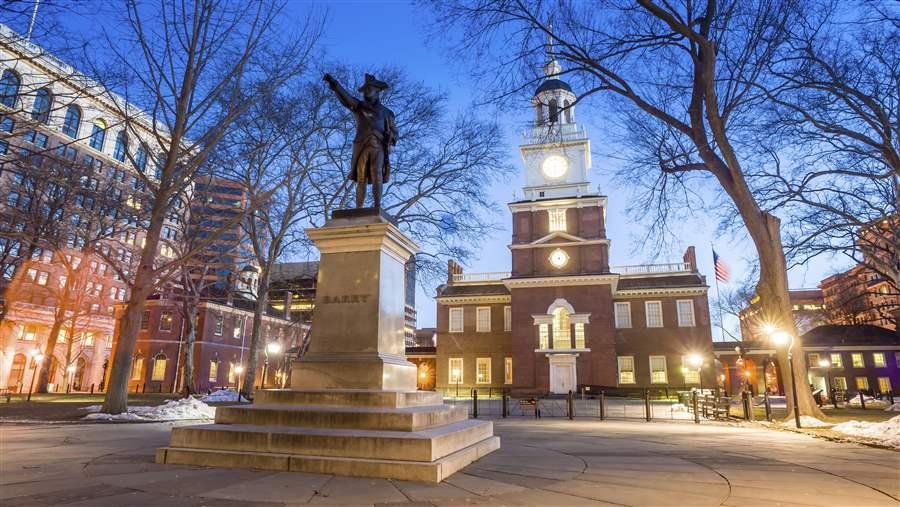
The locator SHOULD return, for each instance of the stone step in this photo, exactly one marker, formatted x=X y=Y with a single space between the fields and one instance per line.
x=425 y=445
x=344 y=417
x=423 y=471
x=356 y=397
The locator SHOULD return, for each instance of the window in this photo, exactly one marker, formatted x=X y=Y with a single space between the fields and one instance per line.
x=40 y=110
x=213 y=371
x=61 y=336
x=862 y=383
x=840 y=383
x=813 y=360
x=27 y=335
x=543 y=337
x=140 y=158
x=7 y=124
x=579 y=336
x=42 y=278
x=238 y=330
x=456 y=370
x=31 y=274
x=884 y=384
x=145 y=320
x=166 y=319
x=9 y=88
x=691 y=374
x=71 y=121
x=98 y=134
x=159 y=367
x=685 y=312
x=483 y=319
x=878 y=360
x=483 y=370
x=562 y=334
x=626 y=369
x=456 y=320
x=557 y=219
x=220 y=324
x=507 y=318
x=654 y=313
x=836 y=360
x=122 y=294
x=856 y=358
x=554 y=110
x=658 y=374
x=121 y=147
x=88 y=339
x=136 y=367
x=507 y=370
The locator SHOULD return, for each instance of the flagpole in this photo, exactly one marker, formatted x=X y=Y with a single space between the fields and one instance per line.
x=718 y=294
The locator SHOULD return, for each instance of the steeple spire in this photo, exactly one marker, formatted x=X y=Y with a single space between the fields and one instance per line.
x=552 y=67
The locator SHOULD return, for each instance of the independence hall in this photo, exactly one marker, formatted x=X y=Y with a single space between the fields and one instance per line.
x=562 y=319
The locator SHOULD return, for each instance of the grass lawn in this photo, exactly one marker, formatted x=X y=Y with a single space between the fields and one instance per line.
x=65 y=407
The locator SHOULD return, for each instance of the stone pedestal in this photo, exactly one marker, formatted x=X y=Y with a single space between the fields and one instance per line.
x=353 y=408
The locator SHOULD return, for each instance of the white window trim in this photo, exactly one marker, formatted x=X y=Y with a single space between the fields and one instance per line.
x=450 y=379
x=478 y=311
x=619 y=366
x=479 y=361
x=693 y=319
x=627 y=305
x=665 y=369
x=875 y=362
x=450 y=327
x=647 y=305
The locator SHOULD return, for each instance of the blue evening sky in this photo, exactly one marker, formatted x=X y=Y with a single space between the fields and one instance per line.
x=374 y=34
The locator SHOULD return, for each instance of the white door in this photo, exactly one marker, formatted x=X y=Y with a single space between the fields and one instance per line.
x=562 y=377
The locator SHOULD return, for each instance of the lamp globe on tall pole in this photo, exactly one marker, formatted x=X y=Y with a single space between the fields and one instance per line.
x=696 y=361
x=782 y=338
x=36 y=359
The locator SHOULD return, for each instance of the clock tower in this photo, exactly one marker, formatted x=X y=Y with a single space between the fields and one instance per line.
x=560 y=285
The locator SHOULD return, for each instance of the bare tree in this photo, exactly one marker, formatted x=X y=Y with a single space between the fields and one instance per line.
x=685 y=77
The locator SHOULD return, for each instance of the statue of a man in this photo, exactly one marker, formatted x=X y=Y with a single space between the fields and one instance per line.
x=375 y=135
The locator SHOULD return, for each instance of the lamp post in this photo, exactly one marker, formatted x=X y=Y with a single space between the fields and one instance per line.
x=239 y=370
x=272 y=348
x=457 y=376
x=36 y=358
x=71 y=377
x=783 y=338
x=696 y=360
x=826 y=364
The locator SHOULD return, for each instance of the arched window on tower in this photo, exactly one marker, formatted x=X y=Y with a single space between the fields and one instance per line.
x=568 y=108
x=98 y=134
x=554 y=111
x=40 y=111
x=9 y=88
x=562 y=335
x=73 y=119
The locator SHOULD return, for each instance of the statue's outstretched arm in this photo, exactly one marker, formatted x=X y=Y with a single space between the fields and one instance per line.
x=349 y=101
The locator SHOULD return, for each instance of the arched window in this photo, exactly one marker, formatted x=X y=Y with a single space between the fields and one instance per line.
x=121 y=147
x=562 y=337
x=554 y=111
x=98 y=134
x=568 y=108
x=159 y=367
x=40 y=111
x=539 y=114
x=16 y=372
x=72 y=121
x=137 y=367
x=140 y=158
x=9 y=88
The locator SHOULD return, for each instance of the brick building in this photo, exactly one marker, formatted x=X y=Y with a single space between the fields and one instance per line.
x=562 y=319
x=808 y=307
x=860 y=295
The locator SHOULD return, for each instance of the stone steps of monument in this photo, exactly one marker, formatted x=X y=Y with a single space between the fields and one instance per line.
x=425 y=471
x=356 y=397
x=342 y=417
x=424 y=445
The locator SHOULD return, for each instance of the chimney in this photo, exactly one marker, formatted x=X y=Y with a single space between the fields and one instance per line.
x=690 y=257
x=453 y=268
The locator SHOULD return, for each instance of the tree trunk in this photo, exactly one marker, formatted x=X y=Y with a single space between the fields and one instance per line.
x=116 y=400
x=44 y=377
x=261 y=303
x=190 y=315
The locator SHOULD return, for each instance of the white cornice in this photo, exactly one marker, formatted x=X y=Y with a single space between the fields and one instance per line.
x=565 y=202
x=562 y=281
x=462 y=300
x=577 y=242
x=661 y=291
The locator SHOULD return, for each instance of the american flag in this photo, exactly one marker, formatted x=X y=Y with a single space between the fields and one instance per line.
x=721 y=268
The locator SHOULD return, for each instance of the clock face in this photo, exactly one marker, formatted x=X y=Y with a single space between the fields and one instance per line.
x=555 y=166
x=559 y=258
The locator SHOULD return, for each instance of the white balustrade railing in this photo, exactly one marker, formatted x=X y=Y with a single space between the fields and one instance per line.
x=481 y=277
x=644 y=269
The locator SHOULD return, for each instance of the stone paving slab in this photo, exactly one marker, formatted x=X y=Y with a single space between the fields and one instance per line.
x=545 y=462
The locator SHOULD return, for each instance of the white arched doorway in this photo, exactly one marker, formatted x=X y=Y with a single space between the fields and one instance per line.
x=566 y=341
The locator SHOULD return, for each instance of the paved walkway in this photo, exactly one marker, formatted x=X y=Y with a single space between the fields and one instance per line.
x=547 y=462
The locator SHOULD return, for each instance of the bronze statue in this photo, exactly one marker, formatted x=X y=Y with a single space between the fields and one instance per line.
x=375 y=135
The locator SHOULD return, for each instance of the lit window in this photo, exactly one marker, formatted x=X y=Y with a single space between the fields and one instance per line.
x=507 y=318
x=840 y=383
x=878 y=360
x=658 y=373
x=159 y=367
x=456 y=320
x=579 y=336
x=626 y=369
x=483 y=319
x=88 y=339
x=42 y=278
x=232 y=374
x=856 y=359
x=685 y=312
x=691 y=374
x=562 y=334
x=862 y=383
x=483 y=370
x=61 y=337
x=456 y=370
x=213 y=371
x=122 y=294
x=137 y=367
x=557 y=219
x=654 y=313
x=837 y=361
x=31 y=274
x=238 y=330
x=220 y=324
x=507 y=370
x=884 y=384
x=543 y=336
x=71 y=121
x=166 y=320
x=62 y=281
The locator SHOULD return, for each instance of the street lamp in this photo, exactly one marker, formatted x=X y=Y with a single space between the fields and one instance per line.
x=37 y=358
x=71 y=371
x=457 y=376
x=696 y=360
x=272 y=348
x=826 y=364
x=780 y=337
x=239 y=370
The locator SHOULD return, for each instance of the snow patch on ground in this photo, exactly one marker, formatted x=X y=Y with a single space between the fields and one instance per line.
x=172 y=410
x=679 y=407
x=885 y=433
x=222 y=395
x=893 y=408
x=774 y=402
x=807 y=421
x=870 y=402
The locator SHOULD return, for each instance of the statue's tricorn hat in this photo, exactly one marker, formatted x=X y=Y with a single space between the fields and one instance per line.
x=371 y=82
